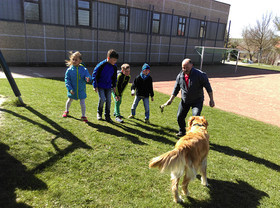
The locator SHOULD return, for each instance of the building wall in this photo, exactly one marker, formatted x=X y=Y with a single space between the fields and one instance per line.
x=48 y=39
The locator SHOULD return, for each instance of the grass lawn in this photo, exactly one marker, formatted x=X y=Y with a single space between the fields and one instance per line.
x=50 y=161
x=263 y=66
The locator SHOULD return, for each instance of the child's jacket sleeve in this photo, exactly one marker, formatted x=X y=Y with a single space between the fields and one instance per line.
x=67 y=79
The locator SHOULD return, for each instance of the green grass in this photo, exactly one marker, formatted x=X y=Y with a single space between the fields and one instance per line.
x=50 y=161
x=263 y=66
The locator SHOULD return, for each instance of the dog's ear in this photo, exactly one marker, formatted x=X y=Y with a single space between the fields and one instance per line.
x=205 y=122
x=190 y=121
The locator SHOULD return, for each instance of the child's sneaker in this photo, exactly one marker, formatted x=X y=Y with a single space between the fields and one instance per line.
x=147 y=121
x=65 y=114
x=131 y=116
x=98 y=116
x=84 y=119
x=118 y=119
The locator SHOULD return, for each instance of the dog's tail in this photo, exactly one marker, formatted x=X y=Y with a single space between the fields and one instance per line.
x=170 y=161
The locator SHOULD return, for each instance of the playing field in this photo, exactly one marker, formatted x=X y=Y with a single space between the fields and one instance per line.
x=50 y=161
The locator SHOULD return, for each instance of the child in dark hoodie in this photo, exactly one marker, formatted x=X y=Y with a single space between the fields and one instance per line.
x=143 y=84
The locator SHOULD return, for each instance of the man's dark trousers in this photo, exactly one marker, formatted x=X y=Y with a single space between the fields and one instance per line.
x=183 y=110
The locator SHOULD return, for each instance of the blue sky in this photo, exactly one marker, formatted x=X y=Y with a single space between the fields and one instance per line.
x=246 y=12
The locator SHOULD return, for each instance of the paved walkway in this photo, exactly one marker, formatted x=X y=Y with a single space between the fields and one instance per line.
x=250 y=92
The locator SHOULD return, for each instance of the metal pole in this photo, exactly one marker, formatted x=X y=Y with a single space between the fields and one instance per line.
x=148 y=32
x=217 y=30
x=227 y=38
x=204 y=31
x=187 y=38
x=237 y=61
x=97 y=31
x=170 y=35
x=151 y=33
x=10 y=78
x=25 y=35
x=201 y=57
x=125 y=23
x=65 y=41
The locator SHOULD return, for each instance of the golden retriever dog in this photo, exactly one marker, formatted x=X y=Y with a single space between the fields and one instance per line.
x=189 y=156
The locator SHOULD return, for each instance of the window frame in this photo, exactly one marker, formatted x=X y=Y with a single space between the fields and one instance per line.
x=156 y=20
x=84 y=9
x=202 y=29
x=126 y=15
x=182 y=24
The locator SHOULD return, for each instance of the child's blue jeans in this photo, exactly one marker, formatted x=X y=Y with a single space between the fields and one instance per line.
x=146 y=106
x=104 y=97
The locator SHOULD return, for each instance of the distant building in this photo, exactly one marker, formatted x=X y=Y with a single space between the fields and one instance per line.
x=153 y=31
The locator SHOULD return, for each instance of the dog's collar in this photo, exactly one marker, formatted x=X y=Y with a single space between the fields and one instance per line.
x=197 y=124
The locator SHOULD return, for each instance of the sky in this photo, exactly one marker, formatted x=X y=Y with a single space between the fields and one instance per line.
x=245 y=13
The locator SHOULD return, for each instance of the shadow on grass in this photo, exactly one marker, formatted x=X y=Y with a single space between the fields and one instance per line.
x=108 y=130
x=158 y=135
x=59 y=132
x=228 y=194
x=14 y=175
x=232 y=152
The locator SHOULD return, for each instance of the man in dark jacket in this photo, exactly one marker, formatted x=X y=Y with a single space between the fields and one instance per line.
x=191 y=82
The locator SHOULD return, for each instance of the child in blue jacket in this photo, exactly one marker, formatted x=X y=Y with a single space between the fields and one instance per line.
x=76 y=78
x=104 y=78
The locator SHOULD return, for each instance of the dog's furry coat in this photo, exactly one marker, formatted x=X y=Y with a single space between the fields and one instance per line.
x=189 y=156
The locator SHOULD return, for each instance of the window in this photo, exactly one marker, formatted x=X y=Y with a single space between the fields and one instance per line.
x=124 y=17
x=202 y=30
x=32 y=10
x=107 y=15
x=211 y=30
x=181 y=26
x=168 y=23
x=156 y=22
x=138 y=22
x=221 y=31
x=11 y=9
x=83 y=13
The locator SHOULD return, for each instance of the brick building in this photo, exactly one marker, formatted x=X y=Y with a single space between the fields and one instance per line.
x=153 y=31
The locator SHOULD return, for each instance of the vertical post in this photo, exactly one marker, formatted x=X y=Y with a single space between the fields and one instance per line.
x=201 y=44
x=237 y=61
x=65 y=41
x=170 y=35
x=201 y=57
x=215 y=43
x=45 y=44
x=25 y=35
x=97 y=30
x=187 y=38
x=227 y=38
x=148 y=32
x=151 y=33
x=204 y=31
x=125 y=23
x=10 y=78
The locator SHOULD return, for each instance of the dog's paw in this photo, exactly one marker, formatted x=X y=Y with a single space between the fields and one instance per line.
x=179 y=200
x=185 y=193
x=204 y=182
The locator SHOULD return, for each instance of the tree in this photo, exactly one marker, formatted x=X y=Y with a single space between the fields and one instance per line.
x=260 y=38
x=247 y=44
x=277 y=23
